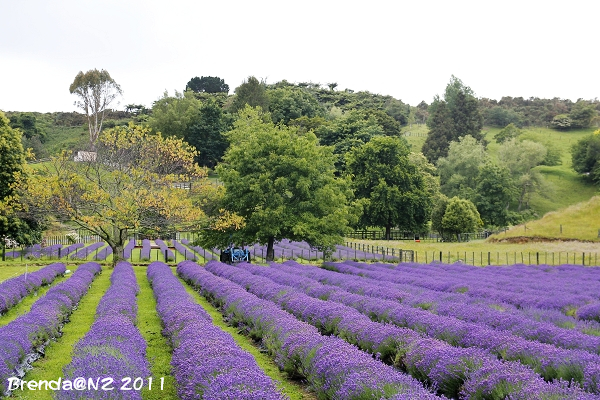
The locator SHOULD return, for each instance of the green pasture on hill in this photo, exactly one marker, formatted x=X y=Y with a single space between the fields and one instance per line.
x=580 y=221
x=564 y=186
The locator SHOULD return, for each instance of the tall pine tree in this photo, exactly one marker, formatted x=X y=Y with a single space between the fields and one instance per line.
x=455 y=116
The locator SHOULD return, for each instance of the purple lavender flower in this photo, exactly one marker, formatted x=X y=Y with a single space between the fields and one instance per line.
x=145 y=252
x=13 y=290
x=165 y=251
x=333 y=367
x=113 y=346
x=207 y=363
x=23 y=337
x=187 y=253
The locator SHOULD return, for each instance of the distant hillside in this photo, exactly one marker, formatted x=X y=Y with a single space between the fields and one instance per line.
x=50 y=133
x=577 y=222
x=563 y=186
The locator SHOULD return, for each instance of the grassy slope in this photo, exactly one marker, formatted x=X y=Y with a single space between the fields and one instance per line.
x=581 y=221
x=564 y=186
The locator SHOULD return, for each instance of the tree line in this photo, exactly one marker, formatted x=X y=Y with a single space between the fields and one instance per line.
x=299 y=161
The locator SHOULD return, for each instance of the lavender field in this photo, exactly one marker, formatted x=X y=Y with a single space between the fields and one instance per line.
x=179 y=250
x=342 y=330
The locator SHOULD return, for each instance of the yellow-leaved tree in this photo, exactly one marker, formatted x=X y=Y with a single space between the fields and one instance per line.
x=133 y=182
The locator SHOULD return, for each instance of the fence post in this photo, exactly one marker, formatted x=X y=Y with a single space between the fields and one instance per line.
x=537 y=258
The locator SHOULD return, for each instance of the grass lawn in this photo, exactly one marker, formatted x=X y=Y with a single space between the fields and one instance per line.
x=415 y=135
x=476 y=252
x=580 y=221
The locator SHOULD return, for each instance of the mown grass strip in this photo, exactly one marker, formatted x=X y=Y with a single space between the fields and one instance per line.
x=158 y=351
x=25 y=304
x=58 y=353
x=292 y=389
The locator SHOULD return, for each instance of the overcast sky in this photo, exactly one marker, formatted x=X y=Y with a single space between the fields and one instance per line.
x=408 y=50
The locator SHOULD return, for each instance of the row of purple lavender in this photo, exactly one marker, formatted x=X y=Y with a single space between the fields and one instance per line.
x=186 y=251
x=528 y=288
x=165 y=251
x=521 y=285
x=549 y=361
x=113 y=346
x=207 y=363
x=454 y=372
x=24 y=338
x=334 y=368
x=13 y=290
x=502 y=317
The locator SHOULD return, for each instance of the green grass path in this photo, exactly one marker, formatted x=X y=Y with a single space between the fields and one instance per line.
x=158 y=351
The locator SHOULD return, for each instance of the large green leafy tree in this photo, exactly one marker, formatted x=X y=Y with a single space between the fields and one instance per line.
x=200 y=123
x=207 y=84
x=460 y=116
x=206 y=133
x=441 y=132
x=288 y=103
x=582 y=114
x=350 y=130
x=460 y=216
x=586 y=156
x=520 y=158
x=96 y=91
x=283 y=186
x=459 y=170
x=494 y=192
x=15 y=223
x=392 y=189
x=173 y=115
x=251 y=92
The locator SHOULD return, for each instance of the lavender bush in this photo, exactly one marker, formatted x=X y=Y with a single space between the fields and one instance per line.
x=207 y=363
x=187 y=253
x=24 y=338
x=145 y=253
x=334 y=368
x=113 y=346
x=165 y=251
x=13 y=290
x=434 y=362
x=83 y=253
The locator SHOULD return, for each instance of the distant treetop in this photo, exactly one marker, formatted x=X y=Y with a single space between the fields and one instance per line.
x=207 y=84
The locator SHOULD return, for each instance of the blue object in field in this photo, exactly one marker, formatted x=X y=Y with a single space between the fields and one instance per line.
x=233 y=255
